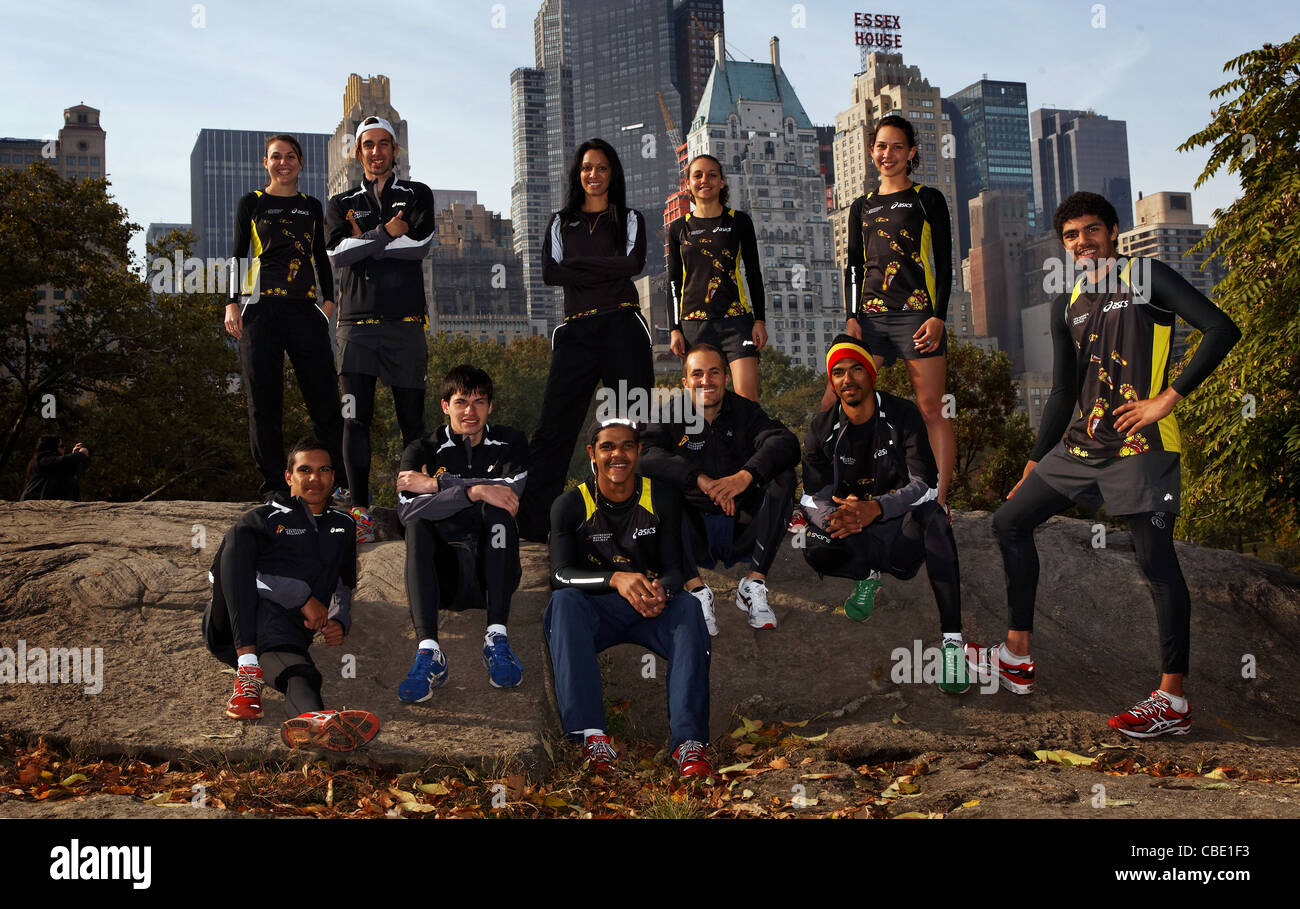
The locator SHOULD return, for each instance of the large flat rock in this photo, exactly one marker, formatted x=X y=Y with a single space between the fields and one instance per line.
x=129 y=579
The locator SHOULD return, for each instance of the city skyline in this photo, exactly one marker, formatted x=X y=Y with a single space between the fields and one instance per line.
x=1152 y=67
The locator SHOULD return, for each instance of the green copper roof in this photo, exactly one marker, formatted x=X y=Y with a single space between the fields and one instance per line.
x=751 y=82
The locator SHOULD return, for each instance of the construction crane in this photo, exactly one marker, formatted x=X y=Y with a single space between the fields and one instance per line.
x=678 y=203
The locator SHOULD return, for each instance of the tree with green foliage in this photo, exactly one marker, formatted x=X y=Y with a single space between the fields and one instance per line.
x=789 y=392
x=993 y=440
x=1241 y=427
x=178 y=427
x=71 y=309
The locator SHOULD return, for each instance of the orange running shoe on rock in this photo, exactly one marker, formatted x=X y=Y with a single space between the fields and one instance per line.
x=246 y=701
x=334 y=730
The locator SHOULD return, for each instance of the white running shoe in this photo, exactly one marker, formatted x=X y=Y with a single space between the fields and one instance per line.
x=705 y=596
x=751 y=596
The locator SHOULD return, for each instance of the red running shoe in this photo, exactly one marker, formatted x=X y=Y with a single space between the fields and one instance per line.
x=598 y=752
x=691 y=760
x=246 y=701
x=797 y=521
x=1154 y=716
x=335 y=730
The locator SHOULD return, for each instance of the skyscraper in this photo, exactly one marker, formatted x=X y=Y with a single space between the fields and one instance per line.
x=695 y=22
x=474 y=275
x=752 y=121
x=600 y=67
x=530 y=193
x=369 y=97
x=888 y=86
x=227 y=163
x=990 y=123
x=999 y=222
x=1166 y=231
x=1074 y=151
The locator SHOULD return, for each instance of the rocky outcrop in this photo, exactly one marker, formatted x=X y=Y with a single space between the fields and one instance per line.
x=129 y=581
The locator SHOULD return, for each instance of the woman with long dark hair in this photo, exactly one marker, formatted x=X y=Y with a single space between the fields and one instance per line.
x=283 y=304
x=711 y=301
x=51 y=474
x=899 y=277
x=593 y=248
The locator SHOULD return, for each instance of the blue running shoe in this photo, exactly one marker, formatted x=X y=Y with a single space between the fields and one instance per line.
x=428 y=672
x=504 y=671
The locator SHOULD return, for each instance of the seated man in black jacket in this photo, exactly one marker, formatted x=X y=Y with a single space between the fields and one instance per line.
x=735 y=467
x=869 y=481
x=274 y=573
x=458 y=491
x=615 y=570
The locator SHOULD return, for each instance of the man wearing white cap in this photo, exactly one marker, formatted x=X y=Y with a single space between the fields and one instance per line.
x=377 y=234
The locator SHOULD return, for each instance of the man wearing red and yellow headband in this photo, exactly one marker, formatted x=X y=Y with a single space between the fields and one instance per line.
x=869 y=482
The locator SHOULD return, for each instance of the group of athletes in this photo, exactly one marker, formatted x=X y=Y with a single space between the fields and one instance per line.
x=667 y=499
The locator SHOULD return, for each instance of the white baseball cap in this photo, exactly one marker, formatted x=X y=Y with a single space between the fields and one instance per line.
x=370 y=123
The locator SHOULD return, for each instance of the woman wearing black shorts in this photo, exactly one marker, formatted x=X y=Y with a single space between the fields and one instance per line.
x=899 y=277
x=709 y=299
x=593 y=248
x=281 y=302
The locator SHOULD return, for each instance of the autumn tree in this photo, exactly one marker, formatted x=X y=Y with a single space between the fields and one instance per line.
x=1242 y=432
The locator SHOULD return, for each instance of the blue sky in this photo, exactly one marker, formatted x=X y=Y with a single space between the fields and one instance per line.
x=159 y=79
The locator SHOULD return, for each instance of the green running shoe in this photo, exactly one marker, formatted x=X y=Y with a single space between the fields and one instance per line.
x=862 y=601
x=956 y=675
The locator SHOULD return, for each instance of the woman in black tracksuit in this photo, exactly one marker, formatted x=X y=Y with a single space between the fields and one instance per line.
x=593 y=248
x=283 y=304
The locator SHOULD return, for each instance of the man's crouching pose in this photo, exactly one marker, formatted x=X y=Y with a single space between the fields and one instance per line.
x=276 y=570
x=869 y=484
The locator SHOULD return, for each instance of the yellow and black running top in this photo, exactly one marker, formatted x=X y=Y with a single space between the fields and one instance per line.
x=286 y=238
x=704 y=268
x=900 y=253
x=593 y=537
x=1112 y=340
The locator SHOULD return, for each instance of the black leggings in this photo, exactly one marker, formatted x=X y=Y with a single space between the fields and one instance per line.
x=1153 y=542
x=900 y=546
x=296 y=676
x=409 y=404
x=460 y=561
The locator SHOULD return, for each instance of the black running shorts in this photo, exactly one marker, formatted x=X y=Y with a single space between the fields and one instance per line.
x=733 y=335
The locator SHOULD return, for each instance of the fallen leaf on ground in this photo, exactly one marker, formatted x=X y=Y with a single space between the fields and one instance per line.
x=896 y=719
x=1068 y=758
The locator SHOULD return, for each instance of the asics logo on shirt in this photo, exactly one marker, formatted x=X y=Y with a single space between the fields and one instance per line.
x=900 y=205
x=1114 y=304
x=882 y=452
x=336 y=530
x=298 y=211
x=643 y=532
x=722 y=230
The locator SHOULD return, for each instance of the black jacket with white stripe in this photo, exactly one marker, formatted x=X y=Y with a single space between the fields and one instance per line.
x=500 y=457
x=887 y=459
x=594 y=256
x=282 y=554
x=380 y=276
